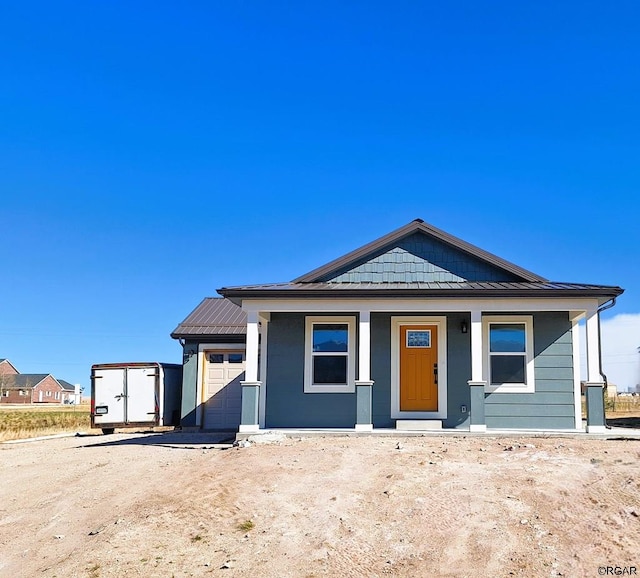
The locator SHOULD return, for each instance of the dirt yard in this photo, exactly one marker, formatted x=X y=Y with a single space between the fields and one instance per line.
x=177 y=504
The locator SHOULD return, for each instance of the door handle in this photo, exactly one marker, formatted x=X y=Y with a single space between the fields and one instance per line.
x=435 y=373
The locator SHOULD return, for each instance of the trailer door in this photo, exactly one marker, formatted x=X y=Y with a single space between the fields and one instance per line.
x=109 y=396
x=142 y=401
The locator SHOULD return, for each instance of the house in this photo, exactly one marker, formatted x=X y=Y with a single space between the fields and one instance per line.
x=18 y=387
x=7 y=368
x=416 y=330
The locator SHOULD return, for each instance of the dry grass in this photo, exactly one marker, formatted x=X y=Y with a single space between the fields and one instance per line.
x=32 y=421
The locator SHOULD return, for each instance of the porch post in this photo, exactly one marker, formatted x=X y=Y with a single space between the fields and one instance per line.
x=364 y=385
x=264 y=332
x=249 y=416
x=477 y=420
x=596 y=422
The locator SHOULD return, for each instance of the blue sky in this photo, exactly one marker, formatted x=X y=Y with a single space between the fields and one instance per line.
x=152 y=152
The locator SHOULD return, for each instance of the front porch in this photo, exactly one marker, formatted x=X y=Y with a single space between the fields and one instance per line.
x=464 y=387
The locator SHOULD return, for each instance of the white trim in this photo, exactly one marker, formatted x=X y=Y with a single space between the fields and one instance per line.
x=419 y=305
x=364 y=427
x=599 y=429
x=309 y=386
x=477 y=427
x=530 y=385
x=441 y=323
x=202 y=347
x=253 y=428
x=577 y=397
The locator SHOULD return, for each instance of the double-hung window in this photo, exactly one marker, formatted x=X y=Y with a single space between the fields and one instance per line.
x=509 y=354
x=329 y=355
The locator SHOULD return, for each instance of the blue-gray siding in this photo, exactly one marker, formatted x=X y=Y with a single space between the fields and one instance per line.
x=420 y=258
x=552 y=406
x=287 y=405
x=189 y=384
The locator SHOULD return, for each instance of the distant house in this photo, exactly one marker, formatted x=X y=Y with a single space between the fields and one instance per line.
x=416 y=330
x=7 y=368
x=18 y=387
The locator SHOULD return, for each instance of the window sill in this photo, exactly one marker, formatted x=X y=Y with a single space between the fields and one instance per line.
x=510 y=388
x=329 y=388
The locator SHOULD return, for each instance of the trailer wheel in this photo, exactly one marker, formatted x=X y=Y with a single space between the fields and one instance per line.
x=108 y=430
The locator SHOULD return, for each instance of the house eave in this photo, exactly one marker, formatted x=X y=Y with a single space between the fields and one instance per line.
x=237 y=295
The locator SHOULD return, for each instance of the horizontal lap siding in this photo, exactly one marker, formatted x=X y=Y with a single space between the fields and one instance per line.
x=552 y=404
x=287 y=405
x=381 y=370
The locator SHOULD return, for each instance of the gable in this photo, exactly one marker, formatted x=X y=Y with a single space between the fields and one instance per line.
x=419 y=258
x=436 y=255
x=7 y=368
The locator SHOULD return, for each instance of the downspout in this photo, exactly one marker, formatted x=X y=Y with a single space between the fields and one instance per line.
x=607 y=305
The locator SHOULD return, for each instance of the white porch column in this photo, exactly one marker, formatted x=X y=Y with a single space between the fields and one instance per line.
x=253 y=340
x=364 y=385
x=593 y=348
x=249 y=416
x=477 y=421
x=264 y=332
x=476 y=346
x=364 y=351
x=594 y=395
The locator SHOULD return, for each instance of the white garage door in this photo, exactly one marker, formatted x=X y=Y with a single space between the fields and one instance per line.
x=223 y=372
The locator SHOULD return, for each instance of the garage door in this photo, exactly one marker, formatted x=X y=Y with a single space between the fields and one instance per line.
x=223 y=372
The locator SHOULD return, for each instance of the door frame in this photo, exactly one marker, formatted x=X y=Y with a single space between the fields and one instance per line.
x=441 y=323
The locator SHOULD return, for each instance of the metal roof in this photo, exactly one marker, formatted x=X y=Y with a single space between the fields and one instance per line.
x=423 y=289
x=213 y=316
x=417 y=226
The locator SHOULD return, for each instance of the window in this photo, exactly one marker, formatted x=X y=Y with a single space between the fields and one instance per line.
x=329 y=355
x=419 y=338
x=57 y=396
x=216 y=358
x=235 y=358
x=509 y=354
x=48 y=394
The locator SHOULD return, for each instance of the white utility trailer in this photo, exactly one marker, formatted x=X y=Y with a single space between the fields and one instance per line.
x=137 y=394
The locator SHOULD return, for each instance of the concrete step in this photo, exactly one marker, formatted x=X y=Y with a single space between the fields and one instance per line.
x=418 y=424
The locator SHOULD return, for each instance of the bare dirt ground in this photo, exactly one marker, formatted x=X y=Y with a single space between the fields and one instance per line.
x=177 y=504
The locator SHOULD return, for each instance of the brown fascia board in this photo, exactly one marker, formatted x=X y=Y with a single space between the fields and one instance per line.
x=237 y=294
x=417 y=225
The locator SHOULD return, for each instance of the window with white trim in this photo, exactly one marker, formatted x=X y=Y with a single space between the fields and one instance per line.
x=329 y=365
x=508 y=342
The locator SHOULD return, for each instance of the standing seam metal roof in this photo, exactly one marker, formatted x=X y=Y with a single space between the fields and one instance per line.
x=213 y=316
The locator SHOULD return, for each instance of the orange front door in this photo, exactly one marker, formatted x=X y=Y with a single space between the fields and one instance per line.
x=418 y=368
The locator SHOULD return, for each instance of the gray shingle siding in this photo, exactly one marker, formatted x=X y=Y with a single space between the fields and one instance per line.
x=420 y=258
